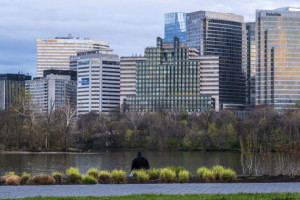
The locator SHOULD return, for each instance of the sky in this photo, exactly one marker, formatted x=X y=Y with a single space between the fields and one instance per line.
x=128 y=25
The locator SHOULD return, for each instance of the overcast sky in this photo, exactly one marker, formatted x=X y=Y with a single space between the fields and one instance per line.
x=128 y=25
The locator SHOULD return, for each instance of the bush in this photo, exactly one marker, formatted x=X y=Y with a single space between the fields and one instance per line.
x=57 y=176
x=41 y=179
x=73 y=175
x=184 y=176
x=228 y=175
x=25 y=177
x=143 y=176
x=176 y=169
x=218 y=170
x=13 y=180
x=167 y=176
x=209 y=176
x=118 y=176
x=201 y=171
x=94 y=173
x=104 y=175
x=88 y=179
x=154 y=174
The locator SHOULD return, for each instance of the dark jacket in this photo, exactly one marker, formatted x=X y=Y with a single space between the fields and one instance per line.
x=140 y=162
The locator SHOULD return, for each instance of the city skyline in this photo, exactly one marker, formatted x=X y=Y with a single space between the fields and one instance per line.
x=127 y=25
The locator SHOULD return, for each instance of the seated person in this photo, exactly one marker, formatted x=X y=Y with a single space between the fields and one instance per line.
x=140 y=162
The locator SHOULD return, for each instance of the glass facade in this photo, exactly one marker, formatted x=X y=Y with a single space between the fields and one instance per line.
x=223 y=35
x=278 y=57
x=168 y=80
x=175 y=26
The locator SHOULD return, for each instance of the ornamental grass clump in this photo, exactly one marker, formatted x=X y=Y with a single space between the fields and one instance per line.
x=41 y=179
x=104 y=176
x=13 y=180
x=117 y=176
x=218 y=170
x=57 y=176
x=88 y=179
x=167 y=176
x=184 y=176
x=154 y=174
x=73 y=175
x=94 y=173
x=176 y=169
x=227 y=175
x=209 y=177
x=200 y=172
x=143 y=176
x=10 y=173
x=25 y=177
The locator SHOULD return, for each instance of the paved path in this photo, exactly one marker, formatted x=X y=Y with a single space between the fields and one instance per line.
x=126 y=189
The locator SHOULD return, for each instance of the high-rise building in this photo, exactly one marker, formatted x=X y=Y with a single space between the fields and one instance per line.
x=222 y=35
x=128 y=76
x=11 y=86
x=175 y=26
x=278 y=57
x=169 y=80
x=98 y=86
x=55 y=53
x=251 y=58
x=53 y=91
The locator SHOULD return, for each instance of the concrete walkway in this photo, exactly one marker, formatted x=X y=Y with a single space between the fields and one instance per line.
x=126 y=189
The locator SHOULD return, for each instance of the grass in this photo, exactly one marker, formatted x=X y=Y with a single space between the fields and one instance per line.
x=88 y=179
x=241 y=196
x=167 y=175
x=94 y=173
x=104 y=175
x=118 y=177
x=73 y=175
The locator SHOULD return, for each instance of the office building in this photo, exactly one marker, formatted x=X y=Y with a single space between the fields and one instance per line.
x=169 y=80
x=278 y=57
x=56 y=89
x=222 y=35
x=55 y=53
x=11 y=87
x=128 y=76
x=251 y=58
x=175 y=26
x=98 y=86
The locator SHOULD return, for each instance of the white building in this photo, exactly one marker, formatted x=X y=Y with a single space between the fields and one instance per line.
x=98 y=86
x=55 y=90
x=55 y=53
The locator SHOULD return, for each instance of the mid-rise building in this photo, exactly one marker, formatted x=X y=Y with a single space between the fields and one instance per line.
x=11 y=87
x=251 y=58
x=222 y=35
x=278 y=57
x=98 y=86
x=169 y=80
x=175 y=26
x=55 y=53
x=128 y=76
x=56 y=89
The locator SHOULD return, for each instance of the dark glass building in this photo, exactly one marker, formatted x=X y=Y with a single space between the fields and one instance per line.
x=175 y=26
x=223 y=35
x=169 y=79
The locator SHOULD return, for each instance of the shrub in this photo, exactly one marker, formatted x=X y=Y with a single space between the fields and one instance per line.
x=209 y=176
x=176 y=169
x=88 y=179
x=13 y=180
x=41 y=179
x=73 y=175
x=201 y=171
x=57 y=176
x=118 y=176
x=25 y=177
x=134 y=173
x=94 y=173
x=228 y=175
x=184 y=176
x=143 y=176
x=218 y=170
x=154 y=174
x=167 y=176
x=104 y=175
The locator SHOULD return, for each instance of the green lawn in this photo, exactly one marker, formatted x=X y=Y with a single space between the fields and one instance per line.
x=241 y=196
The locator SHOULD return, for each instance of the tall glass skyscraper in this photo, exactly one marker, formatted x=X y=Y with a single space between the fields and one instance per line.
x=278 y=57
x=175 y=26
x=223 y=35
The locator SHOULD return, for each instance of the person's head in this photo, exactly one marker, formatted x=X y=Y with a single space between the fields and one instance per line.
x=139 y=154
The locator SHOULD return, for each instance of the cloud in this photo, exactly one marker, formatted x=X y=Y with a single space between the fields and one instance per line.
x=128 y=25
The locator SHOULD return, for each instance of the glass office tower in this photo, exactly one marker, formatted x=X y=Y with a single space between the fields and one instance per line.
x=175 y=26
x=169 y=80
x=223 y=35
x=278 y=57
